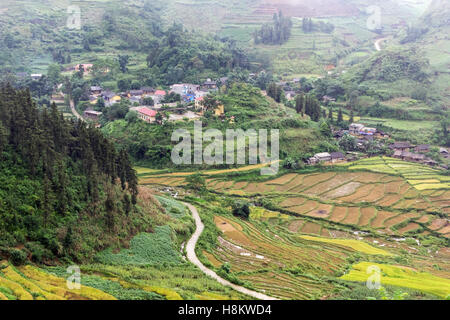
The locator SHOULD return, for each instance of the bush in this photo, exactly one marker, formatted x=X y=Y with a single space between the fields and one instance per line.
x=17 y=257
x=241 y=209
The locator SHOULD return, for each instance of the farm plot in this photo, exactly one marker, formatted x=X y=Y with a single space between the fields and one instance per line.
x=30 y=283
x=356 y=245
x=260 y=257
x=419 y=176
x=402 y=277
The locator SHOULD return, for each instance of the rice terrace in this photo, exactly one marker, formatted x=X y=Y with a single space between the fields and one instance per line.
x=217 y=159
x=307 y=231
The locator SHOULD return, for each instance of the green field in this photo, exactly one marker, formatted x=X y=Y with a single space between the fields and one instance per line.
x=402 y=277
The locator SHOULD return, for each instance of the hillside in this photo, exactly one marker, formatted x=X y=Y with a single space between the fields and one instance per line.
x=66 y=192
x=151 y=145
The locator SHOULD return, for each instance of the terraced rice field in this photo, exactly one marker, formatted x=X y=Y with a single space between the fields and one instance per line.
x=30 y=283
x=258 y=256
x=402 y=277
x=376 y=193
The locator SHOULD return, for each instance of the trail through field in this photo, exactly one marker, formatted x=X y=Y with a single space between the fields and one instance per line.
x=192 y=257
x=74 y=111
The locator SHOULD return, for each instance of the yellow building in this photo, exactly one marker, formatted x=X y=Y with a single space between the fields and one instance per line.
x=220 y=111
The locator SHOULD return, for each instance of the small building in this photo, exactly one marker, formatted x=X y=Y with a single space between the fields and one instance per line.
x=422 y=148
x=430 y=162
x=146 y=114
x=110 y=98
x=148 y=90
x=409 y=156
x=209 y=84
x=184 y=89
x=290 y=95
x=444 y=152
x=36 y=76
x=92 y=115
x=337 y=156
x=135 y=93
x=198 y=103
x=96 y=90
x=160 y=93
x=368 y=131
x=108 y=95
x=403 y=146
x=323 y=157
x=219 y=111
x=355 y=128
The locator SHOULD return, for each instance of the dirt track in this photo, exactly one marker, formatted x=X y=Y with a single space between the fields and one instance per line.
x=192 y=257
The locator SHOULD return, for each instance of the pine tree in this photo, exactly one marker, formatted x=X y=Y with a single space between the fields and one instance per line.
x=351 y=117
x=340 y=118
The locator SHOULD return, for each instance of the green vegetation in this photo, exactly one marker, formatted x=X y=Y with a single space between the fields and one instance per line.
x=402 y=277
x=57 y=178
x=354 y=244
x=145 y=249
x=279 y=33
x=151 y=145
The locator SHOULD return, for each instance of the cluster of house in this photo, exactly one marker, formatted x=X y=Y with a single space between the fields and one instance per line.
x=358 y=129
x=189 y=93
x=403 y=151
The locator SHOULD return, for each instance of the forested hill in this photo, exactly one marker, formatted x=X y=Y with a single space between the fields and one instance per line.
x=64 y=189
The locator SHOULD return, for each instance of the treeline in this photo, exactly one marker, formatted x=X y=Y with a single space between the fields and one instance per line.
x=276 y=33
x=309 y=105
x=53 y=171
x=180 y=55
x=308 y=25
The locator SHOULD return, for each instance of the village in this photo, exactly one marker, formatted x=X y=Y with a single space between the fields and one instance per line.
x=147 y=102
x=184 y=102
x=363 y=136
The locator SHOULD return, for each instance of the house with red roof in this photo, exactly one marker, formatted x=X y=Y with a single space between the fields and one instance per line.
x=146 y=114
x=160 y=93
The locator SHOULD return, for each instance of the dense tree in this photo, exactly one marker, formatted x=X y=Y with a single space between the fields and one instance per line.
x=275 y=92
x=241 y=209
x=276 y=33
x=340 y=118
x=59 y=168
x=123 y=63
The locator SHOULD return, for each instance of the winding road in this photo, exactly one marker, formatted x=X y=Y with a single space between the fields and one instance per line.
x=74 y=111
x=192 y=257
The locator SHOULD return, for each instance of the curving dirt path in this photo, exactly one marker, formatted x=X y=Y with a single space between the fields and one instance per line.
x=74 y=111
x=72 y=108
x=192 y=257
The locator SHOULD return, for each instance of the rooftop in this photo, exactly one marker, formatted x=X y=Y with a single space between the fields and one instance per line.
x=148 y=112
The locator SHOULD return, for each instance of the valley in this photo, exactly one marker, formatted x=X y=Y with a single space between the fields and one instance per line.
x=123 y=123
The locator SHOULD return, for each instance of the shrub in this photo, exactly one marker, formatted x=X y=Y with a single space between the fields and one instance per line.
x=241 y=209
x=17 y=257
